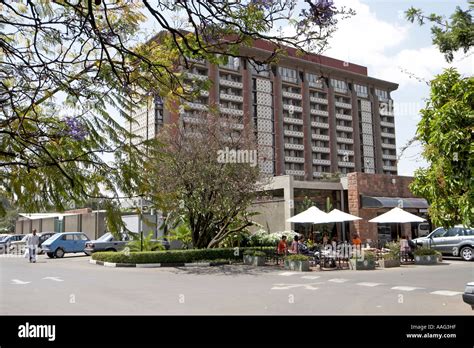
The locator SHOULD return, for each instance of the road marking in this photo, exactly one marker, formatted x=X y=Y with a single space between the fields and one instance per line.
x=338 y=280
x=287 y=274
x=310 y=277
x=406 y=288
x=446 y=293
x=56 y=279
x=369 y=284
x=20 y=282
x=291 y=286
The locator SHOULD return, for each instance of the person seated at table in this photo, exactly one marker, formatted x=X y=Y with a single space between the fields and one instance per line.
x=325 y=239
x=302 y=248
x=294 y=246
x=356 y=240
x=282 y=248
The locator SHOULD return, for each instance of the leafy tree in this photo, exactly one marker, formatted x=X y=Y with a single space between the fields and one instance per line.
x=66 y=68
x=189 y=176
x=7 y=217
x=451 y=35
x=446 y=133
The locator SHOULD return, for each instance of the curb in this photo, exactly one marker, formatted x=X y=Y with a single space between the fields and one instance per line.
x=157 y=265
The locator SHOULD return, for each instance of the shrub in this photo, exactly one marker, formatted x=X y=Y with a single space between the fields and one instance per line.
x=253 y=252
x=297 y=257
x=424 y=251
x=263 y=238
x=394 y=252
x=175 y=256
x=365 y=255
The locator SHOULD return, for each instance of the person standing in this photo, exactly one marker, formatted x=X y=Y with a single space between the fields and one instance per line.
x=282 y=246
x=294 y=245
x=32 y=242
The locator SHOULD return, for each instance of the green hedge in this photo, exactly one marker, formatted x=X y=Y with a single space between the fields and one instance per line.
x=176 y=256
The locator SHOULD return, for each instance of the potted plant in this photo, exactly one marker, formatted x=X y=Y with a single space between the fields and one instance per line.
x=392 y=258
x=364 y=261
x=426 y=256
x=254 y=258
x=298 y=263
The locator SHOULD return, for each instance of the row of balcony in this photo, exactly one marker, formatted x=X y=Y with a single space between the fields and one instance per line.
x=289 y=146
x=319 y=100
x=388 y=135
x=321 y=149
x=319 y=112
x=294 y=159
x=293 y=120
x=389 y=146
x=389 y=157
x=387 y=124
x=292 y=107
x=345 y=140
x=344 y=117
x=346 y=164
x=343 y=105
x=344 y=128
x=320 y=125
x=390 y=168
x=230 y=83
x=231 y=97
x=294 y=172
x=322 y=162
x=292 y=95
x=233 y=112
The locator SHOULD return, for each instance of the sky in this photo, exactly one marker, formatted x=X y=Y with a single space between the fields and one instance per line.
x=380 y=38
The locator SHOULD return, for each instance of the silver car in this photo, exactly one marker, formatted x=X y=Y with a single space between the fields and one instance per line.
x=456 y=241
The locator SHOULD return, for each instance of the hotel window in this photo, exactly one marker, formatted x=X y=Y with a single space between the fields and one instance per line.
x=233 y=63
x=288 y=74
x=339 y=86
x=361 y=90
x=260 y=69
x=383 y=95
x=314 y=80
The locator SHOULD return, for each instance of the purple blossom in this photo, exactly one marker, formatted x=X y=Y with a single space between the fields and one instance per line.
x=321 y=12
x=74 y=128
x=267 y=4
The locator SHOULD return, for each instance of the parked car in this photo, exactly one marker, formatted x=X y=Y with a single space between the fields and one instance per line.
x=468 y=295
x=7 y=240
x=105 y=243
x=65 y=242
x=456 y=241
x=19 y=246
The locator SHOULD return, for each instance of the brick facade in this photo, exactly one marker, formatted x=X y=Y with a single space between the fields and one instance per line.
x=376 y=185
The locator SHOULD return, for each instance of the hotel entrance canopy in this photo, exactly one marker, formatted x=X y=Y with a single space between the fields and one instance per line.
x=392 y=202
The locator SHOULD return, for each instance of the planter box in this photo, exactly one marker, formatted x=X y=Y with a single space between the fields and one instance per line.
x=389 y=263
x=426 y=259
x=254 y=260
x=363 y=265
x=300 y=266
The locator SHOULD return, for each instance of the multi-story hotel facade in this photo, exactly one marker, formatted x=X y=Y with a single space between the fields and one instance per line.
x=316 y=119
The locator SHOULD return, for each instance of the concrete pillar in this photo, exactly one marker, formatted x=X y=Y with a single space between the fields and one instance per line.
x=288 y=194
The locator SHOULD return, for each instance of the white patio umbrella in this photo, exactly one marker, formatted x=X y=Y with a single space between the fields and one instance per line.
x=397 y=215
x=312 y=215
x=337 y=215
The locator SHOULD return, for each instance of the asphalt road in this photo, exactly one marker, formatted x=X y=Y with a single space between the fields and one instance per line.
x=74 y=286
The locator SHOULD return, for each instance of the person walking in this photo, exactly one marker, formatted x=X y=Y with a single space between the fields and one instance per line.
x=32 y=242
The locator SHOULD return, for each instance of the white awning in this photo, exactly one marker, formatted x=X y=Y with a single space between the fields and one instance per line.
x=37 y=216
x=397 y=215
